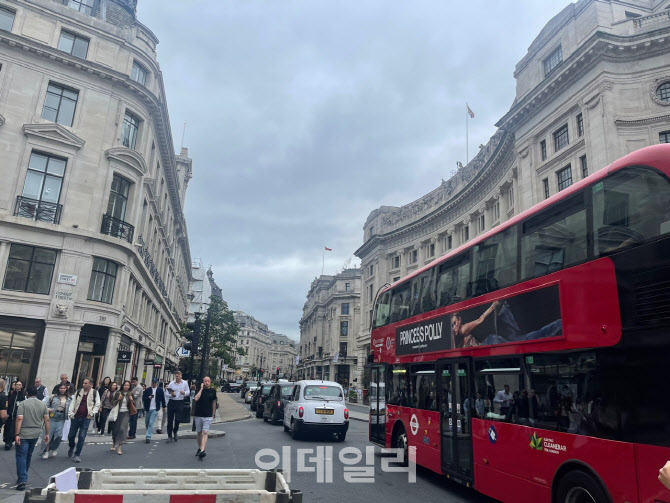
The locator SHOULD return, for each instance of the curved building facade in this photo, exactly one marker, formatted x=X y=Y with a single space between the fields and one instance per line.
x=594 y=86
x=94 y=255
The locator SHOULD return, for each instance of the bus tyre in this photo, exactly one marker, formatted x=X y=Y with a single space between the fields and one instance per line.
x=578 y=486
x=401 y=443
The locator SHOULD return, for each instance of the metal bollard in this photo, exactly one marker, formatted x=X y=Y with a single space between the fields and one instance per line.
x=282 y=496
x=271 y=481
x=296 y=496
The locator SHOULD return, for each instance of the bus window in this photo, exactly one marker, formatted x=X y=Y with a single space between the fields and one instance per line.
x=423 y=389
x=630 y=206
x=398 y=388
x=554 y=239
x=495 y=262
x=498 y=386
x=452 y=282
x=423 y=293
x=383 y=309
x=400 y=302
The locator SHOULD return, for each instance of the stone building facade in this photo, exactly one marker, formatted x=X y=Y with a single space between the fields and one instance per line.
x=594 y=86
x=329 y=326
x=263 y=349
x=94 y=253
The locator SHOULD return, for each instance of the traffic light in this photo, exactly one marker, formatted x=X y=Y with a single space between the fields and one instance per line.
x=278 y=369
x=193 y=336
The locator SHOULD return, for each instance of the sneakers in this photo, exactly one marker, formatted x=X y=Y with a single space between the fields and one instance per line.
x=159 y=431
x=52 y=454
x=77 y=459
x=132 y=438
x=45 y=455
x=169 y=439
x=21 y=486
x=175 y=436
x=202 y=454
x=70 y=452
x=8 y=446
x=197 y=452
x=148 y=440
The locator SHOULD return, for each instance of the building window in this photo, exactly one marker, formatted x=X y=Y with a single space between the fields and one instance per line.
x=345 y=308
x=369 y=320
x=59 y=104
x=343 y=349
x=347 y=287
x=552 y=61
x=73 y=44
x=371 y=269
x=580 y=125
x=481 y=224
x=41 y=190
x=585 y=167
x=344 y=328
x=370 y=293
x=664 y=137
x=6 y=19
x=564 y=178
x=545 y=184
x=138 y=74
x=496 y=211
x=103 y=278
x=510 y=198
x=450 y=241
x=414 y=256
x=29 y=269
x=543 y=149
x=396 y=262
x=397 y=278
x=663 y=92
x=371 y=231
x=465 y=233
x=561 y=138
x=431 y=250
x=85 y=6
x=118 y=198
x=129 y=134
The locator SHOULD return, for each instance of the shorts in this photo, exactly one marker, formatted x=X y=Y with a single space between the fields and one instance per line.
x=202 y=423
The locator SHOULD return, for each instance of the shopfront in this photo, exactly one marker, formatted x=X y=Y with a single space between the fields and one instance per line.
x=90 y=354
x=20 y=347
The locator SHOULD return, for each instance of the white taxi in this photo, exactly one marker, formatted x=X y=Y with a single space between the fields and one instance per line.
x=317 y=406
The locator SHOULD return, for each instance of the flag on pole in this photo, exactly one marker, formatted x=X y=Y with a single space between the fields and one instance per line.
x=470 y=112
x=328 y=249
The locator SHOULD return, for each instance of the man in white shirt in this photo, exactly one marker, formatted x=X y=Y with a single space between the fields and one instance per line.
x=177 y=390
x=504 y=399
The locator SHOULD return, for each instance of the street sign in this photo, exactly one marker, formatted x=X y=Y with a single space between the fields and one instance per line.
x=182 y=352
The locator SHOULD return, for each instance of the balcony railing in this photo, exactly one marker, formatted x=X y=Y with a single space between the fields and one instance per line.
x=37 y=210
x=117 y=228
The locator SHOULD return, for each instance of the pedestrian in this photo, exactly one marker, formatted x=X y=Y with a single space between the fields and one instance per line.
x=58 y=407
x=177 y=391
x=140 y=411
x=32 y=416
x=83 y=407
x=63 y=380
x=136 y=391
x=161 y=418
x=42 y=393
x=104 y=386
x=106 y=402
x=3 y=403
x=205 y=410
x=154 y=400
x=15 y=397
x=123 y=399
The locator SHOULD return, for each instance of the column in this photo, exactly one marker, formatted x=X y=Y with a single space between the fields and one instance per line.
x=59 y=352
x=140 y=366
x=111 y=353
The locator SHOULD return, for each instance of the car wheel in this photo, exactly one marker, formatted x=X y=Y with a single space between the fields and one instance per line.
x=294 y=430
x=286 y=428
x=341 y=436
x=273 y=417
x=259 y=412
x=578 y=486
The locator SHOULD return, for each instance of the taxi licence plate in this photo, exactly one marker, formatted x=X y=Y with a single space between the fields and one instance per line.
x=329 y=412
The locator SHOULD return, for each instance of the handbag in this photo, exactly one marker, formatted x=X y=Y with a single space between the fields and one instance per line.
x=114 y=414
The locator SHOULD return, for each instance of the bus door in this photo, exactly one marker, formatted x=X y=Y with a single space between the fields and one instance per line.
x=456 y=405
x=378 y=405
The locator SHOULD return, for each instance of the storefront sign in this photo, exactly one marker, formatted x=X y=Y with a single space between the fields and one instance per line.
x=124 y=357
x=63 y=295
x=149 y=361
x=67 y=279
x=158 y=366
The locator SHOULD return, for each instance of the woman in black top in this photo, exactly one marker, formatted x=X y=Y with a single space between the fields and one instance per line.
x=16 y=396
x=104 y=386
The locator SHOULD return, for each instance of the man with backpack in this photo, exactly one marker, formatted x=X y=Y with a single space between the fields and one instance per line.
x=83 y=407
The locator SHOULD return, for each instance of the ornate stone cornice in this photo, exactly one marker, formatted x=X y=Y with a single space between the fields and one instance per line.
x=639 y=122
x=54 y=133
x=129 y=158
x=2 y=120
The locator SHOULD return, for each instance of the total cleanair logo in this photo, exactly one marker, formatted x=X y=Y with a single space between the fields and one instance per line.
x=414 y=424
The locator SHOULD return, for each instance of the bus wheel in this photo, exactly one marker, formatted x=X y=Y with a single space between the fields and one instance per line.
x=580 y=487
x=401 y=443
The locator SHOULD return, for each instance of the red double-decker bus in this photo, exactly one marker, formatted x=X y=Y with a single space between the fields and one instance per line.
x=532 y=362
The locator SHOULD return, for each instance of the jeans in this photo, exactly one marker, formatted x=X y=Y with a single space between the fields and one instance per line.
x=24 y=454
x=174 y=409
x=509 y=331
x=149 y=418
x=133 y=424
x=104 y=414
x=55 y=434
x=81 y=426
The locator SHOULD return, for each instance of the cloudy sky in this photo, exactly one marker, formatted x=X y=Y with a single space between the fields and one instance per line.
x=304 y=116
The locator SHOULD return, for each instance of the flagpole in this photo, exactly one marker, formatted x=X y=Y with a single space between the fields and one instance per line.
x=467 y=149
x=323 y=260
